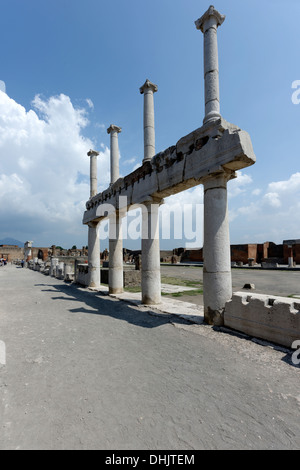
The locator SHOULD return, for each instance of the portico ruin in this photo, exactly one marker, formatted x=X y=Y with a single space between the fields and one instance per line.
x=209 y=155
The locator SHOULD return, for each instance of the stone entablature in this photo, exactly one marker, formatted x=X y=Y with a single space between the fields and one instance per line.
x=214 y=148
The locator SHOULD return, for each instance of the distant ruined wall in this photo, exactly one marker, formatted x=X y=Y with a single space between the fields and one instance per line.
x=11 y=252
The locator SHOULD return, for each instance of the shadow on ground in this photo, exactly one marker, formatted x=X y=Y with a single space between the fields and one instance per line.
x=99 y=303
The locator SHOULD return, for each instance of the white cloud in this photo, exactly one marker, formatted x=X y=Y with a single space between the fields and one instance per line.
x=130 y=161
x=238 y=185
x=272 y=199
x=90 y=103
x=100 y=126
x=273 y=216
x=2 y=86
x=289 y=186
x=256 y=192
x=42 y=152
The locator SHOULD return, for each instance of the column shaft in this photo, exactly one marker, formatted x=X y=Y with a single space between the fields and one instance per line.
x=93 y=172
x=208 y=24
x=211 y=75
x=149 y=127
x=151 y=280
x=93 y=175
x=94 y=255
x=115 y=279
x=114 y=157
x=114 y=130
x=217 y=283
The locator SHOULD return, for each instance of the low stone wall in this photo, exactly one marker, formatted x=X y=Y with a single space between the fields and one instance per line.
x=275 y=319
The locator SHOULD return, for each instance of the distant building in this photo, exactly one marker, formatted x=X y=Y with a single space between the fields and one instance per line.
x=11 y=252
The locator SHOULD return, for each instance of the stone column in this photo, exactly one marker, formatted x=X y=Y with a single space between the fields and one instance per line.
x=217 y=284
x=149 y=131
x=151 y=280
x=93 y=172
x=115 y=277
x=94 y=255
x=114 y=152
x=208 y=24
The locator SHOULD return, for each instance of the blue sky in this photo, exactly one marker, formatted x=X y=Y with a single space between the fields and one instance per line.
x=73 y=67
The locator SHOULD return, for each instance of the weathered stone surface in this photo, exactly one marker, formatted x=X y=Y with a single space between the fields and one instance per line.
x=275 y=319
x=213 y=148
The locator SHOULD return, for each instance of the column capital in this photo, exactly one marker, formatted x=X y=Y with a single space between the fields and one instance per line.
x=148 y=85
x=210 y=18
x=93 y=224
x=218 y=179
x=113 y=127
x=93 y=153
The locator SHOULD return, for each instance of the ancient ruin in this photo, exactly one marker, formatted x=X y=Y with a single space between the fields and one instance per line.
x=209 y=155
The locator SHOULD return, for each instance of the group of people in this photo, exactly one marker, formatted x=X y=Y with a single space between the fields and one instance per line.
x=3 y=262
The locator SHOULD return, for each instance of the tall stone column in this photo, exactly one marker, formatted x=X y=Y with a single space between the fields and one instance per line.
x=93 y=172
x=151 y=280
x=115 y=278
x=148 y=89
x=208 y=24
x=94 y=255
x=114 y=152
x=217 y=283
x=93 y=235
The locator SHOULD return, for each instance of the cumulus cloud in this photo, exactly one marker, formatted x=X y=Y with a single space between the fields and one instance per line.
x=239 y=184
x=44 y=169
x=273 y=216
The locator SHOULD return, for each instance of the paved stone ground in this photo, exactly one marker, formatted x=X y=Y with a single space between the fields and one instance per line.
x=85 y=371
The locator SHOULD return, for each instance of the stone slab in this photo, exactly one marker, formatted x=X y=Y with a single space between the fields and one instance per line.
x=275 y=319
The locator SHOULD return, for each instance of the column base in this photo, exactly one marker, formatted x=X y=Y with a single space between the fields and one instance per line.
x=214 y=317
x=115 y=290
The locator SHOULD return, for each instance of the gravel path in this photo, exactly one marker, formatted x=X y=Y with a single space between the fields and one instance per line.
x=85 y=371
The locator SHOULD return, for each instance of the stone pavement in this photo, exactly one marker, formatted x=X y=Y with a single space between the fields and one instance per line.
x=88 y=371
